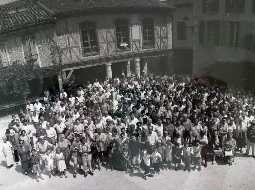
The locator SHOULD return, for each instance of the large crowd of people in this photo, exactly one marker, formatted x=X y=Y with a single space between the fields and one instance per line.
x=132 y=124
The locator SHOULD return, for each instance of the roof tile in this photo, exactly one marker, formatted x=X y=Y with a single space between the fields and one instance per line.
x=20 y=14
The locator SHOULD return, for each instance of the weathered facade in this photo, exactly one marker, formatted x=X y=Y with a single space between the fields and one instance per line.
x=66 y=36
x=221 y=35
x=224 y=40
x=183 y=36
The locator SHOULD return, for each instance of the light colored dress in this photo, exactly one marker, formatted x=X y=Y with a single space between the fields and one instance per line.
x=8 y=153
x=50 y=161
x=60 y=159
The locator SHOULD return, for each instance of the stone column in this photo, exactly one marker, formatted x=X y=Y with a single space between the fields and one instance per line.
x=60 y=81
x=109 y=71
x=145 y=69
x=137 y=67
x=128 y=69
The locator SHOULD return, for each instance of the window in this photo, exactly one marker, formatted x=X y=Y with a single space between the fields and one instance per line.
x=122 y=34
x=235 y=6
x=253 y=6
x=234 y=34
x=181 y=31
x=148 y=33
x=202 y=33
x=89 y=39
x=210 y=6
x=213 y=33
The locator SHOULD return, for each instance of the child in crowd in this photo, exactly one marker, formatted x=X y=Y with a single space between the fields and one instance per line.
x=146 y=161
x=50 y=162
x=187 y=151
x=156 y=159
x=35 y=161
x=60 y=161
x=7 y=150
x=177 y=155
x=168 y=154
x=197 y=155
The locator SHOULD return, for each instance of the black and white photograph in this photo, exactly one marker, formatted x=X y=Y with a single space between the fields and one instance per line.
x=127 y=94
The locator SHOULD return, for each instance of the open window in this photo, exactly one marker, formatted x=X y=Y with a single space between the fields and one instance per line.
x=89 y=39
x=148 y=33
x=122 y=34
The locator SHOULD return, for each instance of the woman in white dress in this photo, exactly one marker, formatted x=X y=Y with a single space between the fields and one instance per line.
x=8 y=153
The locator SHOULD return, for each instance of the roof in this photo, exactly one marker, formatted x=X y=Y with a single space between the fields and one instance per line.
x=22 y=13
x=63 y=7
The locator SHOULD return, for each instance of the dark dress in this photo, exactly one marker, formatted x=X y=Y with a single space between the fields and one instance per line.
x=176 y=152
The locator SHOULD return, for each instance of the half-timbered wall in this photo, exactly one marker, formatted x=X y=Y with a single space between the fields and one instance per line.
x=66 y=35
x=69 y=35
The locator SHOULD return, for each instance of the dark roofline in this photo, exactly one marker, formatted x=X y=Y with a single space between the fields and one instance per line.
x=114 y=10
x=57 y=10
x=30 y=26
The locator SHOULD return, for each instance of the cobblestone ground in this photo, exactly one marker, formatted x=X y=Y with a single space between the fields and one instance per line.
x=240 y=176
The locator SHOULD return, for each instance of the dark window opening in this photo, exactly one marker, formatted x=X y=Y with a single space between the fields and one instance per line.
x=202 y=33
x=122 y=34
x=234 y=34
x=181 y=31
x=213 y=33
x=235 y=6
x=210 y=6
x=148 y=33
x=89 y=39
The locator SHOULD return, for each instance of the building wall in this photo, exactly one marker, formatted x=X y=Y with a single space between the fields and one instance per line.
x=12 y=46
x=183 y=13
x=223 y=60
x=183 y=48
x=68 y=34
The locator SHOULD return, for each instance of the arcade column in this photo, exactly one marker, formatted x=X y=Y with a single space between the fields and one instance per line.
x=129 y=68
x=60 y=81
x=109 y=71
x=137 y=67
x=145 y=69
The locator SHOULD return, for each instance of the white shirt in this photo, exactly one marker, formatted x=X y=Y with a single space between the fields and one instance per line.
x=51 y=132
x=37 y=106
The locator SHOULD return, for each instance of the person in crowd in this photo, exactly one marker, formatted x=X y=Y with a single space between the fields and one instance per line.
x=229 y=146
x=50 y=160
x=86 y=156
x=156 y=160
x=64 y=145
x=187 y=152
x=7 y=150
x=196 y=155
x=251 y=138
x=146 y=161
x=177 y=155
x=35 y=162
x=24 y=151
x=42 y=147
x=14 y=140
x=60 y=162
x=74 y=151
